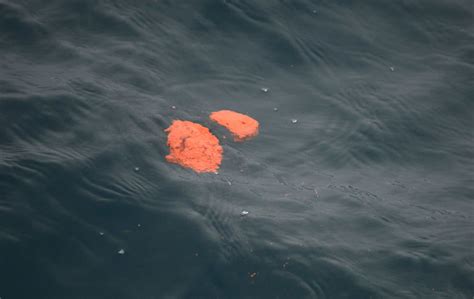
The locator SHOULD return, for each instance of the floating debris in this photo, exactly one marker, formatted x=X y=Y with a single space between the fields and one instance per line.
x=196 y=254
x=264 y=89
x=137 y=169
x=139 y=225
x=316 y=192
x=193 y=146
x=392 y=68
x=244 y=213
x=121 y=251
x=252 y=275
x=101 y=233
x=275 y=109
x=294 y=121
x=173 y=107
x=240 y=125
x=315 y=11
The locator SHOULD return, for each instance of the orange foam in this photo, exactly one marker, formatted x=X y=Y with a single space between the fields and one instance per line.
x=193 y=146
x=240 y=125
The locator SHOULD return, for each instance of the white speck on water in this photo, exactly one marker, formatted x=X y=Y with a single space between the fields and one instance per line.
x=121 y=251
x=264 y=89
x=275 y=109
x=101 y=233
x=139 y=225
x=173 y=107
x=392 y=68
x=294 y=121
x=244 y=213
x=316 y=192
x=137 y=169
x=315 y=11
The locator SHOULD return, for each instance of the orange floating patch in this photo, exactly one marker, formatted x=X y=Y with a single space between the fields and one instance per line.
x=240 y=125
x=193 y=146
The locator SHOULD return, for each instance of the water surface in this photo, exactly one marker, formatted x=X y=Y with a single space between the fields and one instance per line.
x=368 y=195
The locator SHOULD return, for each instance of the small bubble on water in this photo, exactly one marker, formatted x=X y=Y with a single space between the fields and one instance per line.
x=315 y=11
x=275 y=109
x=173 y=107
x=121 y=251
x=101 y=233
x=139 y=225
x=294 y=121
x=392 y=68
x=264 y=89
x=137 y=169
x=244 y=213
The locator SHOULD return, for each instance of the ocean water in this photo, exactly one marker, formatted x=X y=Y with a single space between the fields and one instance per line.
x=369 y=194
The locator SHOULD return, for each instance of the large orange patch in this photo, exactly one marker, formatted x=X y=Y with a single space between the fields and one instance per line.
x=193 y=146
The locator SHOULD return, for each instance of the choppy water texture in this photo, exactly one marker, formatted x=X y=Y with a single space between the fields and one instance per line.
x=359 y=185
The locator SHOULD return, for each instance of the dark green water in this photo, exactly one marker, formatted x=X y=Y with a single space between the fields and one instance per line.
x=368 y=195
